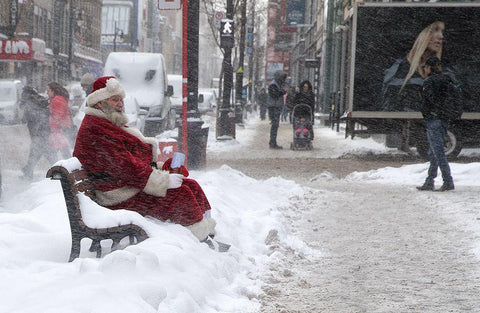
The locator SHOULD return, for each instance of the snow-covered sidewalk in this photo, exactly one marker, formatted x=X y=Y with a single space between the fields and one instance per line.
x=268 y=222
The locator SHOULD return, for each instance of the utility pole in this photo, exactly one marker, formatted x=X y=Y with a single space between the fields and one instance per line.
x=250 y=50
x=194 y=140
x=192 y=56
x=225 y=109
x=239 y=103
x=115 y=38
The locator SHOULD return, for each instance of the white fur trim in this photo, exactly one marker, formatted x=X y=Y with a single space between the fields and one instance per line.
x=203 y=228
x=157 y=183
x=95 y=112
x=213 y=223
x=116 y=196
x=112 y=88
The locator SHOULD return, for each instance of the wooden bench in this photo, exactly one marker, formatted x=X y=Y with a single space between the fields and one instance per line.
x=75 y=182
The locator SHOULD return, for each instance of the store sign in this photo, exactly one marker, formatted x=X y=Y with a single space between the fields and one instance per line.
x=169 y=4
x=14 y=13
x=295 y=14
x=16 y=50
x=38 y=47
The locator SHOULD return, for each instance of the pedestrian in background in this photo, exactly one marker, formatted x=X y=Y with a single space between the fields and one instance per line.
x=403 y=81
x=435 y=90
x=289 y=103
x=36 y=116
x=60 y=120
x=87 y=83
x=304 y=95
x=275 y=105
x=262 y=103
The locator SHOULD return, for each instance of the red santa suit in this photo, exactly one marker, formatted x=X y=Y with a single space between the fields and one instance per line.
x=120 y=161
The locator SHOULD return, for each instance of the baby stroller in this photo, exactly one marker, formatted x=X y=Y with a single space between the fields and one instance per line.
x=302 y=120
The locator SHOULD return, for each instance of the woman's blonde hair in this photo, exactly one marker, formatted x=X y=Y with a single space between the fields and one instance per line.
x=414 y=57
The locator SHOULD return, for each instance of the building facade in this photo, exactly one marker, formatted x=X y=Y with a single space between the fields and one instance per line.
x=60 y=40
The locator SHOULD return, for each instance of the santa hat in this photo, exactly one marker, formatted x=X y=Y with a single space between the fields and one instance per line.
x=104 y=88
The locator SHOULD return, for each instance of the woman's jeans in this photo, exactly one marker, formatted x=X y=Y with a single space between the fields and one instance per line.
x=436 y=132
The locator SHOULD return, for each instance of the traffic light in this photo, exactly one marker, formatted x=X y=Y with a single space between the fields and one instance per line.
x=227 y=29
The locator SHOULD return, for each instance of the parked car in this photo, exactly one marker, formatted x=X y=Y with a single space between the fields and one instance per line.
x=177 y=98
x=207 y=100
x=144 y=77
x=136 y=116
x=10 y=96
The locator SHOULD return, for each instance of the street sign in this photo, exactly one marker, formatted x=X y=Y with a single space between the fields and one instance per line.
x=169 y=4
x=295 y=12
x=227 y=30
x=218 y=17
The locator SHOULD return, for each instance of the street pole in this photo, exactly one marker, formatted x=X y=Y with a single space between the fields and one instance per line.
x=184 y=134
x=192 y=56
x=225 y=126
x=71 y=49
x=193 y=136
x=115 y=38
x=239 y=105
x=250 y=56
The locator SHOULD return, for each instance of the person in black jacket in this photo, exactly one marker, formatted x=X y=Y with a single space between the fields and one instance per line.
x=304 y=95
x=403 y=81
x=262 y=103
x=435 y=89
x=36 y=116
x=275 y=103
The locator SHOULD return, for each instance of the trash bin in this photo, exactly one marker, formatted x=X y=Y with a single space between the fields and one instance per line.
x=197 y=139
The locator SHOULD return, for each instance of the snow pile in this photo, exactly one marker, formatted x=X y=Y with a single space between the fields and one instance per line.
x=415 y=174
x=169 y=272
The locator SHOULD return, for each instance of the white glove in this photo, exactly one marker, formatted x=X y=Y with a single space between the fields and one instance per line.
x=175 y=181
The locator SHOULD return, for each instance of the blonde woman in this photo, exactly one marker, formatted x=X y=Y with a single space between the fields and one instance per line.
x=428 y=43
x=402 y=84
x=403 y=81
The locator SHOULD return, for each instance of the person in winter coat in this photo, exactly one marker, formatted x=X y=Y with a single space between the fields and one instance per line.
x=87 y=83
x=304 y=95
x=60 y=119
x=275 y=105
x=262 y=102
x=36 y=116
x=123 y=165
x=403 y=81
x=288 y=100
x=435 y=89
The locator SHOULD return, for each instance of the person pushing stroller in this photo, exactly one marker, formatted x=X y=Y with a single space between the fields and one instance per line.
x=302 y=115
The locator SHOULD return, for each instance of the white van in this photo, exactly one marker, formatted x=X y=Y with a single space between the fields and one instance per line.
x=177 y=97
x=144 y=78
x=10 y=96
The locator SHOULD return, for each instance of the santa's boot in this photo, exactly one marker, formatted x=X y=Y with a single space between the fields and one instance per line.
x=202 y=229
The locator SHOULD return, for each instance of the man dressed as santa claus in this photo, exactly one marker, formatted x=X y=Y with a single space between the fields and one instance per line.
x=121 y=162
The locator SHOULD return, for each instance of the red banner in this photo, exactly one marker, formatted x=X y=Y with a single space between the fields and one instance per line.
x=16 y=50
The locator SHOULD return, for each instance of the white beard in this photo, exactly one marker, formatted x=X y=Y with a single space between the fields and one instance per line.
x=119 y=119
